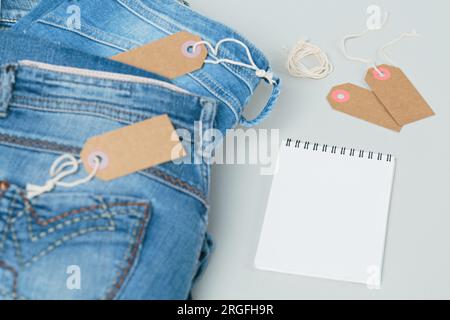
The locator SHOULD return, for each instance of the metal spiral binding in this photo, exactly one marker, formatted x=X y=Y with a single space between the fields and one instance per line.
x=339 y=150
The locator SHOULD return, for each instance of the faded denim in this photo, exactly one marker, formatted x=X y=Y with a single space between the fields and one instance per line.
x=138 y=237
x=12 y=11
x=114 y=26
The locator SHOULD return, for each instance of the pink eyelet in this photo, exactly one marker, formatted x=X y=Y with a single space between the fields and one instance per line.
x=340 y=96
x=193 y=53
x=104 y=160
x=386 y=74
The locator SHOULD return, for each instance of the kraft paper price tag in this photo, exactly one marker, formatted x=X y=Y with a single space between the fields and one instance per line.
x=133 y=148
x=361 y=103
x=398 y=95
x=170 y=57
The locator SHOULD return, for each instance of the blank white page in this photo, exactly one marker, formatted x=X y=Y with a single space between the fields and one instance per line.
x=327 y=213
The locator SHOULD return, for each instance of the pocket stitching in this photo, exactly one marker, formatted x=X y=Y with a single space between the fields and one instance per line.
x=5 y=266
x=43 y=234
x=133 y=254
x=59 y=242
x=8 y=221
x=130 y=255
x=45 y=223
x=71 y=236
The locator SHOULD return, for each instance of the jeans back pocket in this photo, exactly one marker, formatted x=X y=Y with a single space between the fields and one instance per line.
x=68 y=246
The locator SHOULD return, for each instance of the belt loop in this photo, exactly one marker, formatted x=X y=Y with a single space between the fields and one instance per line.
x=207 y=119
x=7 y=80
x=268 y=108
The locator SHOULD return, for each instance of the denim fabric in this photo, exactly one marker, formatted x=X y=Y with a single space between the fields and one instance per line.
x=16 y=47
x=114 y=26
x=13 y=10
x=142 y=236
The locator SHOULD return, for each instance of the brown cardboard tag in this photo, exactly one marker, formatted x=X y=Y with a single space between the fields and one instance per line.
x=399 y=96
x=361 y=103
x=133 y=148
x=170 y=57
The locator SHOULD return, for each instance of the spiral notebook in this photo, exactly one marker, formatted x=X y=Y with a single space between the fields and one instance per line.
x=327 y=213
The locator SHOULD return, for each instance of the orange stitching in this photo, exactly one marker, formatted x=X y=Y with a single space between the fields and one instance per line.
x=13 y=271
x=178 y=182
x=119 y=282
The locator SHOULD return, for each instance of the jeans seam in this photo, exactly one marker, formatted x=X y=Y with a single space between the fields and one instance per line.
x=123 y=42
x=83 y=34
x=217 y=87
x=176 y=181
x=153 y=173
x=210 y=90
x=120 y=79
x=8 y=20
x=8 y=222
x=124 y=90
x=133 y=116
x=14 y=273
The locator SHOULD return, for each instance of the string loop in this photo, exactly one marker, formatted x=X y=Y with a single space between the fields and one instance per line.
x=63 y=167
x=267 y=75
x=260 y=73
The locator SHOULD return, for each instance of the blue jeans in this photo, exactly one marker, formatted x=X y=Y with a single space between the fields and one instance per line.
x=112 y=27
x=138 y=237
x=13 y=10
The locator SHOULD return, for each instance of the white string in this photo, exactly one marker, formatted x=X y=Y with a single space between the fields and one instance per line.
x=302 y=50
x=215 y=51
x=358 y=36
x=382 y=50
x=357 y=59
x=64 y=166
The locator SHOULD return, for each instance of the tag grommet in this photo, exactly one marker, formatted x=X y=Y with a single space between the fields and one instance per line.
x=130 y=149
x=187 y=49
x=340 y=96
x=385 y=74
x=102 y=157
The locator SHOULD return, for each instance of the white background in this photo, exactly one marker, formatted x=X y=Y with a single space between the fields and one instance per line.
x=417 y=262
